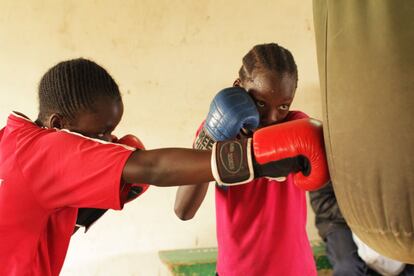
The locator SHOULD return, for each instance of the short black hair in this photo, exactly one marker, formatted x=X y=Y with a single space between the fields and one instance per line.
x=270 y=56
x=72 y=86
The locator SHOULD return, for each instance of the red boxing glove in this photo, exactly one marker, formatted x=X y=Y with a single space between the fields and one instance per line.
x=300 y=139
x=130 y=140
x=114 y=139
x=131 y=191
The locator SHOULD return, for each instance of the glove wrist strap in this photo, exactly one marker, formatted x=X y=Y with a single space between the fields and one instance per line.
x=203 y=141
x=231 y=162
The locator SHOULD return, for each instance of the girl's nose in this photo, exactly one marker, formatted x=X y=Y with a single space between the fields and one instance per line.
x=272 y=117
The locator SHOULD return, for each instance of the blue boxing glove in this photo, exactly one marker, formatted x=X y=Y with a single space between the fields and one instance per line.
x=231 y=110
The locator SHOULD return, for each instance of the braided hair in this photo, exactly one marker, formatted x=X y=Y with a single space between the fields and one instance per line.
x=270 y=57
x=72 y=86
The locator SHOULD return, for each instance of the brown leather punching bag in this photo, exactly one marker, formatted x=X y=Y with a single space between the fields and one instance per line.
x=366 y=66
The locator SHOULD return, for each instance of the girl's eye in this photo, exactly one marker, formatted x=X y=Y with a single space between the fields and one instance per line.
x=260 y=103
x=284 y=107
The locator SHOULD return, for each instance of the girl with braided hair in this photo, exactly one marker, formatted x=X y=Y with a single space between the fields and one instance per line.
x=261 y=226
x=68 y=159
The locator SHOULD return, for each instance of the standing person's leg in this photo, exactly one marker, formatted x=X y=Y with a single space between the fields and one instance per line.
x=342 y=253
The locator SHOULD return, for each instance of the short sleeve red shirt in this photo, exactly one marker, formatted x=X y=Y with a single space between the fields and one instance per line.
x=261 y=228
x=45 y=176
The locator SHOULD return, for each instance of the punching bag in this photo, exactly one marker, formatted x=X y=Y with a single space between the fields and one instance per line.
x=365 y=55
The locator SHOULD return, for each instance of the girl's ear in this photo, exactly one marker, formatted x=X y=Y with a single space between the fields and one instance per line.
x=237 y=82
x=56 y=121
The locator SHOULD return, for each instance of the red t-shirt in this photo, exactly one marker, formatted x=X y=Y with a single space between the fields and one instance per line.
x=45 y=176
x=261 y=228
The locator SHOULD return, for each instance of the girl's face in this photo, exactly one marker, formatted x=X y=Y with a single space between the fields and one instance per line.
x=97 y=123
x=273 y=94
x=100 y=122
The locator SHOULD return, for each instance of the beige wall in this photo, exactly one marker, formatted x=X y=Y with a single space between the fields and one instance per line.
x=169 y=58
